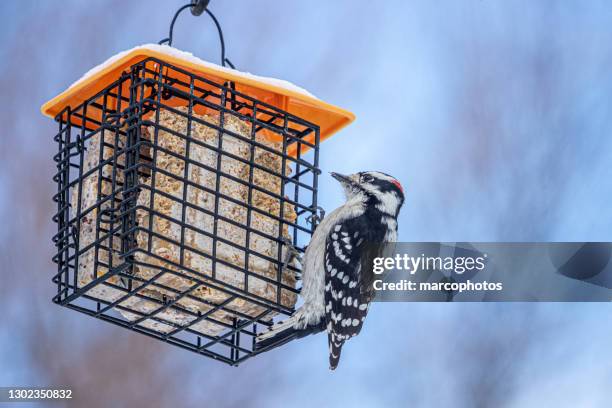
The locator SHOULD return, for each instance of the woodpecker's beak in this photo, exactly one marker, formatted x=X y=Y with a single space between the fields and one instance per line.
x=342 y=178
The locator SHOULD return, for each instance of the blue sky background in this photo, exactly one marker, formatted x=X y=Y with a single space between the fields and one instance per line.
x=495 y=115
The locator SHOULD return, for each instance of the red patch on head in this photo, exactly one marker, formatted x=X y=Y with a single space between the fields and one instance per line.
x=398 y=185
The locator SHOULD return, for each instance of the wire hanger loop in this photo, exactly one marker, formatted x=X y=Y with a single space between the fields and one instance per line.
x=197 y=8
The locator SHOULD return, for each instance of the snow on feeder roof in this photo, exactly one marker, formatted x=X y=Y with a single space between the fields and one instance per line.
x=184 y=191
x=280 y=93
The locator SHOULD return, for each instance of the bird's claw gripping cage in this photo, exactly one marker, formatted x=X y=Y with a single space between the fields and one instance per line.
x=182 y=191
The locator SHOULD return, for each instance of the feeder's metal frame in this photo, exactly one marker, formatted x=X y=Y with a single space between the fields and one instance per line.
x=151 y=84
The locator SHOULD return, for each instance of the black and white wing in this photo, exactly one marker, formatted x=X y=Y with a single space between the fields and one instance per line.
x=348 y=289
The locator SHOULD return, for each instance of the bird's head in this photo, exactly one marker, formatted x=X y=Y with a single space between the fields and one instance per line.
x=374 y=188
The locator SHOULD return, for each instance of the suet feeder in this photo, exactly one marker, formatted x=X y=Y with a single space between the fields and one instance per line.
x=183 y=188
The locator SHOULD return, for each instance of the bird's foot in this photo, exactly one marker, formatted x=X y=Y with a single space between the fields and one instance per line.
x=293 y=260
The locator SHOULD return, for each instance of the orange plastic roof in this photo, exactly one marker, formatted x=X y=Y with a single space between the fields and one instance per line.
x=328 y=117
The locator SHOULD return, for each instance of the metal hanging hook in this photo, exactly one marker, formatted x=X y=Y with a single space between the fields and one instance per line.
x=197 y=8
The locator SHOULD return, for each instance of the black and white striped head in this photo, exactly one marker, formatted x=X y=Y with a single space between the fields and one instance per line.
x=376 y=188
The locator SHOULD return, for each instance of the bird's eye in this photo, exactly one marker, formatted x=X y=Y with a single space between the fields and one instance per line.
x=366 y=178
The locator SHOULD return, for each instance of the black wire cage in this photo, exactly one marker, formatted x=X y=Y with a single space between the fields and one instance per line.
x=185 y=194
x=124 y=258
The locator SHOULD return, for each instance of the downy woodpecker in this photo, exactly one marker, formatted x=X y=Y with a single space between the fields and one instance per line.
x=336 y=290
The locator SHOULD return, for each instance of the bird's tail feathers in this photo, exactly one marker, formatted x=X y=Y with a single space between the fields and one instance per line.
x=283 y=332
x=335 y=348
x=276 y=328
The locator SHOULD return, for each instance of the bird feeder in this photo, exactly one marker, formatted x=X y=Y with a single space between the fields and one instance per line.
x=183 y=188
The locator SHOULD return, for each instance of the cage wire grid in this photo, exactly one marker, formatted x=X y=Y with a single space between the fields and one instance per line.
x=115 y=119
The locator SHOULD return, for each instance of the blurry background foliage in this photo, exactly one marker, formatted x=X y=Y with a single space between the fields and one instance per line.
x=495 y=115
